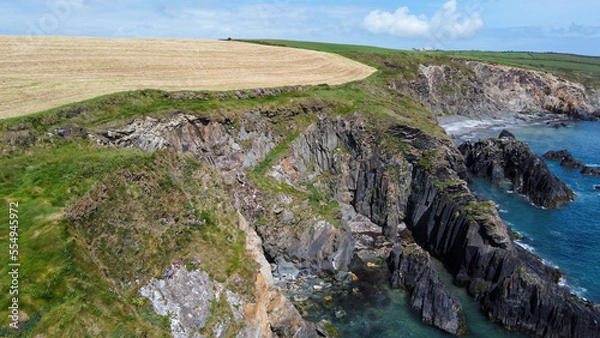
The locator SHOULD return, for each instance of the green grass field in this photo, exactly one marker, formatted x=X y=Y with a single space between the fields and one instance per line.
x=585 y=69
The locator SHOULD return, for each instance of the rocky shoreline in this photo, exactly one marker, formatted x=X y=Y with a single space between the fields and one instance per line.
x=461 y=128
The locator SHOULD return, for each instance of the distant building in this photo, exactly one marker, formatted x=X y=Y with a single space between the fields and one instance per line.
x=424 y=49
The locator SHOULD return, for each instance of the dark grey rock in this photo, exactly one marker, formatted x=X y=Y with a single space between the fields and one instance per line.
x=412 y=270
x=570 y=162
x=557 y=155
x=590 y=171
x=567 y=160
x=506 y=134
x=501 y=160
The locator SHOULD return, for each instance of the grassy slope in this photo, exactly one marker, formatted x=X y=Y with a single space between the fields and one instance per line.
x=68 y=288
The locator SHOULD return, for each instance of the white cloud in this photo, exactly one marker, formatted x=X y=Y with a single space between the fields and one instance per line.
x=445 y=24
x=577 y=30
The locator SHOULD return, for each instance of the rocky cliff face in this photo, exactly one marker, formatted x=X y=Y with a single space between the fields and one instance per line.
x=294 y=206
x=472 y=241
x=474 y=88
x=506 y=159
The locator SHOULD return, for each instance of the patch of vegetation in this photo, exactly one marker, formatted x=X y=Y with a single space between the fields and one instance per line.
x=274 y=155
x=447 y=184
x=427 y=160
x=479 y=210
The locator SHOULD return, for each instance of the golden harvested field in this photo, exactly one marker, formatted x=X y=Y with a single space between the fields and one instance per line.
x=38 y=73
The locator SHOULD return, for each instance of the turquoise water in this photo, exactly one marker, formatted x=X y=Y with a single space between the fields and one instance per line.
x=568 y=237
x=379 y=312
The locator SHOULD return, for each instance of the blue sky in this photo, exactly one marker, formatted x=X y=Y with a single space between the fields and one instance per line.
x=529 y=25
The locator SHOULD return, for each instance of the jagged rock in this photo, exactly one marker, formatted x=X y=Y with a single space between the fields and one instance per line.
x=207 y=139
x=388 y=189
x=327 y=330
x=571 y=162
x=319 y=248
x=557 y=155
x=375 y=184
x=590 y=171
x=546 y=313
x=71 y=131
x=185 y=297
x=506 y=134
x=412 y=270
x=564 y=156
x=474 y=244
x=272 y=315
x=500 y=160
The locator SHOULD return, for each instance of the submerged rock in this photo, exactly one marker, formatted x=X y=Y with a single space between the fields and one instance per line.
x=504 y=159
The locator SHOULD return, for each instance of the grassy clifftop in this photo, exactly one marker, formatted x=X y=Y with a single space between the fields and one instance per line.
x=584 y=69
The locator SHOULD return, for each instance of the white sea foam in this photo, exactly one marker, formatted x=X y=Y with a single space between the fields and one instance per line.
x=549 y=263
x=525 y=246
x=576 y=290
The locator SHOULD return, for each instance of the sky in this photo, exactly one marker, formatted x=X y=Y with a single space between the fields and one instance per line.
x=500 y=25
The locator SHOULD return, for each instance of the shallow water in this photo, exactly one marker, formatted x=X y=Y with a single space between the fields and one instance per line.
x=378 y=311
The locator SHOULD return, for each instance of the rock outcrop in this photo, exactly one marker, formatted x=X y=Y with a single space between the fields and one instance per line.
x=473 y=242
x=209 y=140
x=473 y=88
x=568 y=161
x=506 y=159
x=412 y=270
x=186 y=298
x=590 y=171
x=564 y=156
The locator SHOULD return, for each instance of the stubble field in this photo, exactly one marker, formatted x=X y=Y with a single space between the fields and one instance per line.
x=39 y=73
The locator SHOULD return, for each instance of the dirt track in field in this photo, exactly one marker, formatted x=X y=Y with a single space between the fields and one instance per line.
x=39 y=73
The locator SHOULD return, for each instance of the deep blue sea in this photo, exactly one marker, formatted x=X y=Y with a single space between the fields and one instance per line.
x=568 y=238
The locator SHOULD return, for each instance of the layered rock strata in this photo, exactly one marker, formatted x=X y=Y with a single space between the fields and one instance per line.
x=412 y=270
x=473 y=88
x=506 y=159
